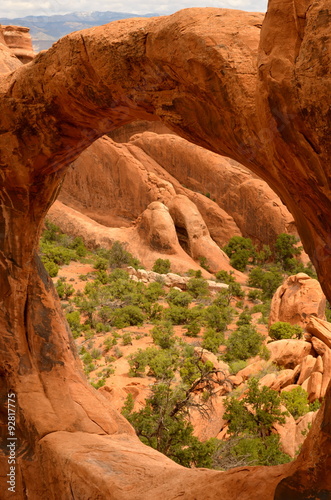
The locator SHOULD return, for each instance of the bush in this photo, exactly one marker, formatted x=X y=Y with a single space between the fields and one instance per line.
x=285 y=250
x=165 y=428
x=177 y=298
x=101 y=264
x=63 y=289
x=212 y=340
x=282 y=330
x=120 y=257
x=161 y=266
x=241 y=251
x=163 y=335
x=216 y=317
x=256 y=413
x=178 y=315
x=236 y=366
x=243 y=343
x=126 y=338
x=197 y=287
x=73 y=319
x=296 y=402
x=225 y=277
x=127 y=316
x=51 y=267
x=193 y=329
x=269 y=280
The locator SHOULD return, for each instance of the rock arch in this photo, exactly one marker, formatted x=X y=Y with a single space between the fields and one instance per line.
x=201 y=72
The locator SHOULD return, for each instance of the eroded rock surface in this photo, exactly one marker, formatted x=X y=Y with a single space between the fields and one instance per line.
x=199 y=71
x=297 y=300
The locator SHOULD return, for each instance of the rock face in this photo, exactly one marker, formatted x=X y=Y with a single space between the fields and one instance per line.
x=99 y=184
x=18 y=39
x=267 y=109
x=255 y=208
x=162 y=164
x=8 y=61
x=297 y=300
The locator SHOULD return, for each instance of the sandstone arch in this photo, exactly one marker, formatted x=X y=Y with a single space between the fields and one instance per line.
x=273 y=118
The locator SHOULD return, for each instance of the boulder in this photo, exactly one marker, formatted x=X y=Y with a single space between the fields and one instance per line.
x=314 y=386
x=320 y=329
x=252 y=369
x=289 y=353
x=306 y=367
x=283 y=379
x=296 y=300
x=287 y=434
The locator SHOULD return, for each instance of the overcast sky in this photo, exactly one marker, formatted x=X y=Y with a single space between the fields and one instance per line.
x=20 y=8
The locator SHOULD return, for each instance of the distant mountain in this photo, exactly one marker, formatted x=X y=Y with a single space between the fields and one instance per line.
x=45 y=30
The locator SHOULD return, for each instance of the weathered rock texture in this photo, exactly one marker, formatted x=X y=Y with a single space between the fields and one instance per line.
x=100 y=184
x=297 y=300
x=200 y=72
x=19 y=40
x=163 y=164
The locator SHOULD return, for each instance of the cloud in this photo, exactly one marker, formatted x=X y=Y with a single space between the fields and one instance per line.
x=17 y=8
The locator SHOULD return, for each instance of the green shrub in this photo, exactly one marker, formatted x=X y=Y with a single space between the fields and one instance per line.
x=203 y=261
x=73 y=319
x=212 y=339
x=120 y=257
x=225 y=277
x=285 y=250
x=254 y=295
x=197 y=287
x=163 y=335
x=126 y=338
x=64 y=290
x=154 y=291
x=216 y=317
x=178 y=315
x=162 y=266
x=51 y=267
x=236 y=366
x=193 y=329
x=243 y=343
x=127 y=316
x=296 y=402
x=256 y=413
x=268 y=280
x=241 y=251
x=101 y=264
x=282 y=330
x=178 y=298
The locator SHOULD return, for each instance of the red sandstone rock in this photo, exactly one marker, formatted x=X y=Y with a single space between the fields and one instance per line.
x=298 y=298
x=314 y=386
x=289 y=353
x=307 y=366
x=52 y=109
x=326 y=377
x=302 y=428
x=320 y=329
x=256 y=209
x=287 y=434
x=18 y=39
x=8 y=61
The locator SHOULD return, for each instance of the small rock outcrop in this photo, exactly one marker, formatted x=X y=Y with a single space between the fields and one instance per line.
x=296 y=300
x=18 y=39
